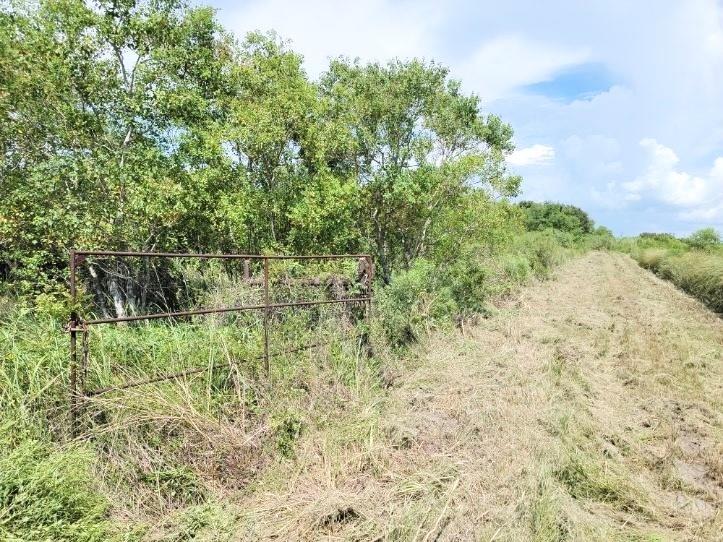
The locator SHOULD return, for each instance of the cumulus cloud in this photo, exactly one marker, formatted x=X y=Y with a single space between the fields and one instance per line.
x=710 y=215
x=532 y=156
x=712 y=211
x=699 y=198
x=664 y=182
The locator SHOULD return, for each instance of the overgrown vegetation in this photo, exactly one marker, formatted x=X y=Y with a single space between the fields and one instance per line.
x=694 y=264
x=146 y=126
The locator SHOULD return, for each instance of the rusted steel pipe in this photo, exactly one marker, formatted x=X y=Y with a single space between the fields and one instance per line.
x=218 y=256
x=239 y=308
x=196 y=370
x=72 y=328
x=267 y=363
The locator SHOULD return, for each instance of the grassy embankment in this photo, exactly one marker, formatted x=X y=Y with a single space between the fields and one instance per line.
x=159 y=461
x=697 y=271
x=586 y=408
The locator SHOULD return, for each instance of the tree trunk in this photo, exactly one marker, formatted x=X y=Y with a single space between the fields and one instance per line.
x=117 y=296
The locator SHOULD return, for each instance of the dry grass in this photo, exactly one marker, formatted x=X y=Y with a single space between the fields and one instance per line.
x=589 y=408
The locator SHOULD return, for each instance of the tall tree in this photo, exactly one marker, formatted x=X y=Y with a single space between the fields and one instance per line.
x=95 y=100
x=418 y=144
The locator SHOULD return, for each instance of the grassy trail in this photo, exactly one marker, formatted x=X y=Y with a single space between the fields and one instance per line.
x=589 y=408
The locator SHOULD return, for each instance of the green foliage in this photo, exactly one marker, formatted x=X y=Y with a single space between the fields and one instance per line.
x=47 y=493
x=517 y=267
x=145 y=126
x=704 y=239
x=417 y=146
x=556 y=216
x=287 y=429
x=544 y=250
x=412 y=302
x=428 y=295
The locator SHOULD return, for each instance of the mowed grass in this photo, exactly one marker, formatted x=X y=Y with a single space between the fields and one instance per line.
x=586 y=408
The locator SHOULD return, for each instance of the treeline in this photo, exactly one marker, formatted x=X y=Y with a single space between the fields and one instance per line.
x=147 y=126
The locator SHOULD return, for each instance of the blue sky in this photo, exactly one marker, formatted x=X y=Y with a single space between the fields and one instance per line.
x=617 y=106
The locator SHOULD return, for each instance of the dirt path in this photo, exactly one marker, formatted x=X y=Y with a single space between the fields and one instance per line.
x=589 y=408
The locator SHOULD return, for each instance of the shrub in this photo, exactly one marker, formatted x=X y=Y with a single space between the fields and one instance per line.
x=557 y=216
x=705 y=239
x=516 y=268
x=601 y=239
x=658 y=240
x=468 y=280
x=543 y=250
x=411 y=299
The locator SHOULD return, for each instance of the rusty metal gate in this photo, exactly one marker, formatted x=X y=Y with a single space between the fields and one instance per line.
x=79 y=325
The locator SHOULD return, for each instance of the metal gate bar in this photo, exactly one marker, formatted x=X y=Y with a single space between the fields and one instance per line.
x=78 y=324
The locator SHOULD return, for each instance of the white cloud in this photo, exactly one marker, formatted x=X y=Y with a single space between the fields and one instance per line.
x=501 y=65
x=663 y=182
x=711 y=212
x=373 y=30
x=532 y=156
x=708 y=215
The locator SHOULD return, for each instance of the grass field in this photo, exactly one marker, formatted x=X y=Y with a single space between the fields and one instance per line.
x=698 y=272
x=587 y=408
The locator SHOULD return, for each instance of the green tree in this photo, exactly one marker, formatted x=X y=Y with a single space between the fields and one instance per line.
x=272 y=143
x=556 y=216
x=140 y=124
x=416 y=144
x=95 y=103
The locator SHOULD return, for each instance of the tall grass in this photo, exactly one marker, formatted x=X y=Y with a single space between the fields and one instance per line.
x=146 y=452
x=697 y=272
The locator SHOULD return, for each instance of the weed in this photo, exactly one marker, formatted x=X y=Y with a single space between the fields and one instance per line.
x=47 y=493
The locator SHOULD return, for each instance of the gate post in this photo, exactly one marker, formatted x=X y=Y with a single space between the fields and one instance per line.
x=370 y=280
x=267 y=364
x=72 y=328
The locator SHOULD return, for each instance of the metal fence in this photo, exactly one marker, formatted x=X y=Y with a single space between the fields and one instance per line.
x=79 y=325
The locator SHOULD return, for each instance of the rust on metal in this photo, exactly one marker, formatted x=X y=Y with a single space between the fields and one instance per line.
x=267 y=364
x=238 y=308
x=220 y=256
x=72 y=328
